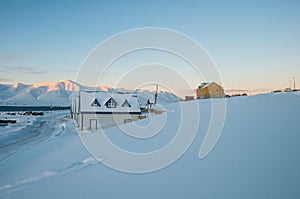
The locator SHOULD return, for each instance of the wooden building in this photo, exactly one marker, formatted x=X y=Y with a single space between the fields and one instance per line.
x=210 y=90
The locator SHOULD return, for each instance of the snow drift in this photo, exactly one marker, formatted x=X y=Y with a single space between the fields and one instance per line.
x=255 y=157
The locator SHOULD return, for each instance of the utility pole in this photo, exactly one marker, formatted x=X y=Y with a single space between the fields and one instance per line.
x=75 y=106
x=294 y=83
x=79 y=107
x=155 y=96
x=72 y=106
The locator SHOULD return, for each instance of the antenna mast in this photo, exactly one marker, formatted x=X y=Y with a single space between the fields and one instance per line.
x=155 y=96
x=294 y=83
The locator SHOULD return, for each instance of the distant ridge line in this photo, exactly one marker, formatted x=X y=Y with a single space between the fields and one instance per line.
x=33 y=108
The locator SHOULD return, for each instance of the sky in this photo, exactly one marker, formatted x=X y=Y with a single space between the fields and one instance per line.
x=254 y=44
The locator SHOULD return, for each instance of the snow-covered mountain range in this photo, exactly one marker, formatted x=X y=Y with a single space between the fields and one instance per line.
x=58 y=94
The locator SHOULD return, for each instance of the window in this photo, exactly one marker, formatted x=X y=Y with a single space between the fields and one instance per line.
x=127 y=121
x=95 y=103
x=111 y=103
x=126 y=104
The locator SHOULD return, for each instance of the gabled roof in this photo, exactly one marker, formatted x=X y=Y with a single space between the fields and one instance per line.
x=111 y=101
x=126 y=103
x=87 y=98
x=206 y=84
x=96 y=103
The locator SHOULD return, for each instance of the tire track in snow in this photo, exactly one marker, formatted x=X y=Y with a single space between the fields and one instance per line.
x=44 y=129
x=69 y=169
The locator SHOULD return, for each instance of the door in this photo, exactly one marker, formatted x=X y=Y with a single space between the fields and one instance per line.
x=93 y=124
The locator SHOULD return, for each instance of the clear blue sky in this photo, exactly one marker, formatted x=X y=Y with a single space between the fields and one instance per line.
x=255 y=44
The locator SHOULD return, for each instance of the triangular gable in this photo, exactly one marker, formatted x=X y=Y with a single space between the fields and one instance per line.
x=209 y=84
x=126 y=104
x=96 y=103
x=111 y=103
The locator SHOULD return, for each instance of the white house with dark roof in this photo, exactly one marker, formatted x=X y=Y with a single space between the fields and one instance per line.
x=96 y=109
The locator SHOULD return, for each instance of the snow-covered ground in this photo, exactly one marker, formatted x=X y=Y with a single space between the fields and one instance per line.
x=29 y=130
x=255 y=157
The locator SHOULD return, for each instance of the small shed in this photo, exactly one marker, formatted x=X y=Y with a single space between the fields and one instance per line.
x=188 y=98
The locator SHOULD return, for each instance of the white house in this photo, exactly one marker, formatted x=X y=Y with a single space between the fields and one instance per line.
x=96 y=109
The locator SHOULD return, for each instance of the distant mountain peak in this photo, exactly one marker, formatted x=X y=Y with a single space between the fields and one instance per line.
x=68 y=85
x=68 y=81
x=58 y=93
x=19 y=85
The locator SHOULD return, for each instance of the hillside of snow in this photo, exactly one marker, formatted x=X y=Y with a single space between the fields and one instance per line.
x=58 y=94
x=257 y=156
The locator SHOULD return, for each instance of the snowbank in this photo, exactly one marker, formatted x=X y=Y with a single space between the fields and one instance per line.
x=256 y=157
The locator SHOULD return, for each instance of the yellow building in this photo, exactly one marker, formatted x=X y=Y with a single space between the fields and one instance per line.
x=210 y=90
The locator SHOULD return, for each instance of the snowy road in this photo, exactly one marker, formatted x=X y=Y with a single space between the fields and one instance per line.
x=23 y=146
x=30 y=133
